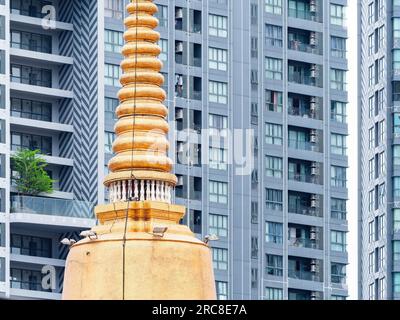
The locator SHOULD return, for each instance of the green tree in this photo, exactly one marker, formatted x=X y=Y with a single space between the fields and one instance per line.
x=32 y=179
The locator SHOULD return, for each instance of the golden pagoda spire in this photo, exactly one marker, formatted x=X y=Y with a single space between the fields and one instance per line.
x=139 y=250
x=141 y=168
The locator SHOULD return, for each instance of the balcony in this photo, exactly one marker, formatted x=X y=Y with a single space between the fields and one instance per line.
x=181 y=89
x=302 y=236
x=182 y=19
x=305 y=41
x=305 y=139
x=305 y=106
x=305 y=74
x=52 y=207
x=305 y=9
x=305 y=171
x=305 y=204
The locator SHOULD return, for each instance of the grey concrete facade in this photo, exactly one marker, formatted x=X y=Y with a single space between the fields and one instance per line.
x=379 y=269
x=266 y=71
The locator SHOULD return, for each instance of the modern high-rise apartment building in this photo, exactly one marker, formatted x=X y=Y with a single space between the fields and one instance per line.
x=257 y=100
x=379 y=150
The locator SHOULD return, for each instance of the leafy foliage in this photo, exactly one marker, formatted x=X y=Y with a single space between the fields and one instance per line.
x=31 y=179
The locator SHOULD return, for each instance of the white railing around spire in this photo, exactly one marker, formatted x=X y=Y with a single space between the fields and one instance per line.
x=140 y=190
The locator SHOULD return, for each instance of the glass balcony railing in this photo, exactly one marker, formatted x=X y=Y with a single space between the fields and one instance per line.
x=300 y=14
x=305 y=210
x=52 y=207
x=303 y=243
x=304 y=79
x=299 y=177
x=301 y=145
x=304 y=47
x=303 y=275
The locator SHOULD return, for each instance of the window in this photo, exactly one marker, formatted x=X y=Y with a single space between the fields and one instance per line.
x=274 y=233
x=338 y=79
x=273 y=36
x=396 y=220
x=396 y=124
x=26 y=279
x=222 y=290
x=110 y=106
x=273 y=68
x=112 y=75
x=218 y=192
x=338 y=209
x=339 y=111
x=274 y=265
x=273 y=294
x=31 y=246
x=338 y=15
x=338 y=177
x=2 y=27
x=371 y=291
x=32 y=142
x=218 y=59
x=396 y=282
x=396 y=30
x=2 y=96
x=163 y=43
x=371 y=169
x=274 y=200
x=114 y=9
x=273 y=6
x=31 y=75
x=29 y=109
x=2 y=131
x=371 y=137
x=396 y=250
x=218 y=26
x=274 y=101
x=218 y=125
x=371 y=201
x=2 y=166
x=274 y=134
x=371 y=75
x=336 y=297
x=254 y=47
x=371 y=262
x=396 y=155
x=31 y=8
x=254 y=212
x=381 y=38
x=162 y=15
x=2 y=237
x=274 y=167
x=218 y=158
x=338 y=241
x=371 y=44
x=338 y=47
x=371 y=13
x=218 y=92
x=220 y=259
x=254 y=247
x=338 y=144
x=396 y=187
x=113 y=41
x=338 y=273
x=31 y=41
x=218 y=225
x=109 y=140
x=2 y=200
x=381 y=293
